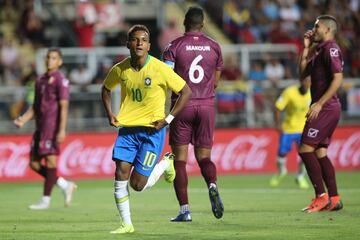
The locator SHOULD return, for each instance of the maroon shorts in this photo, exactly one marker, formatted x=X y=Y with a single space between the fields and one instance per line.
x=195 y=125
x=43 y=144
x=318 y=132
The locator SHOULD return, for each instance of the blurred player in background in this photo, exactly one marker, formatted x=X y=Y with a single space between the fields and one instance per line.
x=144 y=81
x=50 y=110
x=294 y=101
x=197 y=59
x=324 y=63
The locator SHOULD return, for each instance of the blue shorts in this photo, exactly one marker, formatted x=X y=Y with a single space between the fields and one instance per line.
x=286 y=141
x=137 y=146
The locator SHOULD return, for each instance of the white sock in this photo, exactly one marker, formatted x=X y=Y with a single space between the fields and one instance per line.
x=281 y=163
x=156 y=173
x=46 y=199
x=302 y=169
x=212 y=185
x=122 y=200
x=184 y=208
x=62 y=183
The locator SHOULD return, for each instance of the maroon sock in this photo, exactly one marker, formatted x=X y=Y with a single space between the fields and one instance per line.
x=208 y=170
x=42 y=171
x=328 y=173
x=313 y=169
x=181 y=182
x=50 y=180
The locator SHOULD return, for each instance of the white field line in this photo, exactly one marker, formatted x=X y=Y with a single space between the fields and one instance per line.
x=254 y=190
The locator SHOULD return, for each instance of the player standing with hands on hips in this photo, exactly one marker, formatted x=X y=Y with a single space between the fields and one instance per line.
x=50 y=110
x=144 y=81
x=322 y=60
x=198 y=60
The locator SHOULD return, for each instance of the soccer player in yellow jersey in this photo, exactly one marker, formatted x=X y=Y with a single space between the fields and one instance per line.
x=295 y=101
x=144 y=81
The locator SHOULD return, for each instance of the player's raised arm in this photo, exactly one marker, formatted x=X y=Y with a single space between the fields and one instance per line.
x=106 y=99
x=305 y=54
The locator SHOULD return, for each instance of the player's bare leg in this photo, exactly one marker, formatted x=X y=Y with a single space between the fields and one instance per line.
x=208 y=171
x=181 y=183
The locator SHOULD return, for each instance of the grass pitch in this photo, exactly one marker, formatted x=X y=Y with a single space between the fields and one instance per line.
x=252 y=211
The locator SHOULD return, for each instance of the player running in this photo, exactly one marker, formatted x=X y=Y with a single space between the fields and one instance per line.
x=144 y=81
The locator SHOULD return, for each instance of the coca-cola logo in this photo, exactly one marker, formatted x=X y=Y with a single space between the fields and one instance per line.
x=14 y=159
x=346 y=152
x=245 y=152
x=77 y=158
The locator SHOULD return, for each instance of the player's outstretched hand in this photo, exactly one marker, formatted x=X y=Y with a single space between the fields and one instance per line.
x=19 y=122
x=159 y=124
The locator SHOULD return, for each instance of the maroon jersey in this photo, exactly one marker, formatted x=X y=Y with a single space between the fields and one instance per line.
x=195 y=57
x=323 y=65
x=50 y=88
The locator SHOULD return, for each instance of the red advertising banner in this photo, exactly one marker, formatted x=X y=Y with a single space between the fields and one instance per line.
x=235 y=151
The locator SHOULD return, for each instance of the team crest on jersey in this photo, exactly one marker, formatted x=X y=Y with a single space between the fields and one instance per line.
x=334 y=52
x=65 y=82
x=48 y=144
x=147 y=81
x=313 y=132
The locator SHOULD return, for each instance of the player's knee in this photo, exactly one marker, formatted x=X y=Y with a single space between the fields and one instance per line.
x=137 y=186
x=304 y=148
x=34 y=165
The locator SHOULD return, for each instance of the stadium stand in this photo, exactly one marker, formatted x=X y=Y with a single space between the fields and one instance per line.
x=94 y=32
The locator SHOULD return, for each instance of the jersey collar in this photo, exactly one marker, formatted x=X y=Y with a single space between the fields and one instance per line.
x=322 y=44
x=194 y=34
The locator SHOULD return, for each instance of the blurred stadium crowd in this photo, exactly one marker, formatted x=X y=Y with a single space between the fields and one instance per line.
x=27 y=26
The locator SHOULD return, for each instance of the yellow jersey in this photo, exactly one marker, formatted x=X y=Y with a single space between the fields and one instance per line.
x=143 y=92
x=296 y=106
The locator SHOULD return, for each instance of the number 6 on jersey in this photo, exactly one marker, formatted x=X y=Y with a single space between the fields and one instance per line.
x=196 y=68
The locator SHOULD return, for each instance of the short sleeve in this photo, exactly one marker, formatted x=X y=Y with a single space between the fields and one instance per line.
x=173 y=80
x=219 y=62
x=113 y=78
x=333 y=57
x=169 y=55
x=63 y=85
x=282 y=101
